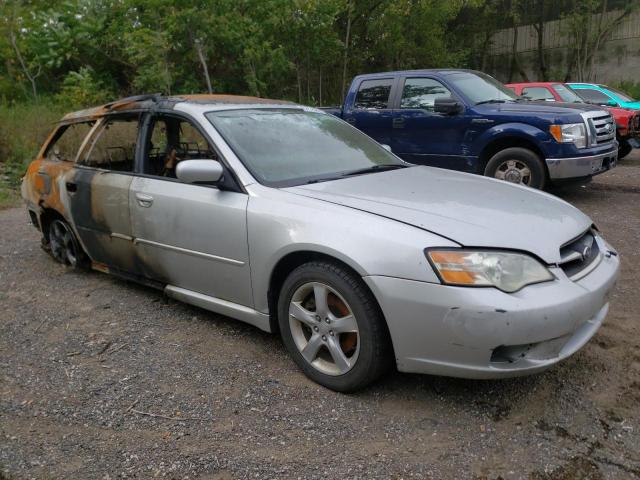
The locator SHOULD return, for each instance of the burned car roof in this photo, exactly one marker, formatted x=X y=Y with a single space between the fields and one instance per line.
x=144 y=102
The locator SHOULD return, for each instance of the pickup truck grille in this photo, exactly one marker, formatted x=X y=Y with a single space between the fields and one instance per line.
x=603 y=129
x=578 y=255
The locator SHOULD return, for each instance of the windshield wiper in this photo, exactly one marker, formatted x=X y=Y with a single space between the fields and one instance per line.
x=493 y=100
x=375 y=168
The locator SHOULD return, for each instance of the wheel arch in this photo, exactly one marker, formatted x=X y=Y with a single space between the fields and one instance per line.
x=292 y=260
x=502 y=143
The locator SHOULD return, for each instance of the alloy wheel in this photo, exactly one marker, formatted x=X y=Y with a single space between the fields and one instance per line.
x=513 y=171
x=62 y=243
x=324 y=328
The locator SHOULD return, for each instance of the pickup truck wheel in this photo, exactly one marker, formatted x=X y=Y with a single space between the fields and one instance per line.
x=332 y=326
x=517 y=165
x=624 y=149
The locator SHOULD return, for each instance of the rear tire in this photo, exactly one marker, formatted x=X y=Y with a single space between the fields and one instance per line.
x=332 y=327
x=63 y=245
x=517 y=165
x=624 y=149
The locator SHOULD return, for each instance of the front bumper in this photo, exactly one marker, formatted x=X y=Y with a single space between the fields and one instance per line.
x=486 y=333
x=580 y=167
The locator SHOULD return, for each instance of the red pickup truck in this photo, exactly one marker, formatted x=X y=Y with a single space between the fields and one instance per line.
x=627 y=121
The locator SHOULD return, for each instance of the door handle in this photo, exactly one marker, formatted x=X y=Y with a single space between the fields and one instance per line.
x=144 y=200
x=398 y=122
x=71 y=187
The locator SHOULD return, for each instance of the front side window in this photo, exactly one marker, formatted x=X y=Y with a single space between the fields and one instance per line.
x=114 y=144
x=173 y=140
x=422 y=93
x=481 y=88
x=537 y=93
x=285 y=147
x=594 y=96
x=374 y=94
x=67 y=141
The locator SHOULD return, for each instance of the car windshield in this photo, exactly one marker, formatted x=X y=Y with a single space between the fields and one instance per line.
x=288 y=146
x=481 y=88
x=566 y=94
x=621 y=95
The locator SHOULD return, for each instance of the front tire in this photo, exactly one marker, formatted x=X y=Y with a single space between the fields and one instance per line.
x=624 y=149
x=517 y=165
x=332 y=326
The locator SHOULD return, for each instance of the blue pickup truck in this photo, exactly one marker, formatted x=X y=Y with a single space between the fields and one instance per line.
x=466 y=120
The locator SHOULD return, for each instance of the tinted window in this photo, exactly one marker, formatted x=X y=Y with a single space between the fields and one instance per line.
x=284 y=147
x=114 y=145
x=566 y=94
x=537 y=93
x=480 y=88
x=374 y=93
x=422 y=93
x=621 y=95
x=67 y=142
x=593 y=96
x=173 y=140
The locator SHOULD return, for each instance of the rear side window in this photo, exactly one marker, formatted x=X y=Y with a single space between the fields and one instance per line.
x=113 y=146
x=374 y=94
x=67 y=141
x=538 y=93
x=422 y=93
x=594 y=96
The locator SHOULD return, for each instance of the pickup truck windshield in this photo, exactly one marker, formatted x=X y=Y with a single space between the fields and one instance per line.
x=286 y=147
x=481 y=88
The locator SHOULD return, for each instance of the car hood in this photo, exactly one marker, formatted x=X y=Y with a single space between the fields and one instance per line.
x=470 y=210
x=546 y=108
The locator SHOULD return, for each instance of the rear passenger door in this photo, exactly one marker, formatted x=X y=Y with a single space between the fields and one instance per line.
x=98 y=192
x=371 y=111
x=189 y=236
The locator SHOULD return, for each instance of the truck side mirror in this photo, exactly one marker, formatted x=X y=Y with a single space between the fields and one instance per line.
x=447 y=106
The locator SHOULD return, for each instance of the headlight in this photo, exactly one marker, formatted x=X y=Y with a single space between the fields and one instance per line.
x=574 y=133
x=506 y=271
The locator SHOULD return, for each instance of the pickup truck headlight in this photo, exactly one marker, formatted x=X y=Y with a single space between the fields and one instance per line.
x=575 y=133
x=506 y=271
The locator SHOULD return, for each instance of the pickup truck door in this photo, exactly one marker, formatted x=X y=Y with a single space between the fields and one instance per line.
x=368 y=109
x=422 y=136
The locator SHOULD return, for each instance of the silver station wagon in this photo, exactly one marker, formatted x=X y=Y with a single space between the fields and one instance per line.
x=291 y=220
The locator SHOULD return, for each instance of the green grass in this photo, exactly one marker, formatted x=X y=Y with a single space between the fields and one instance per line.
x=23 y=129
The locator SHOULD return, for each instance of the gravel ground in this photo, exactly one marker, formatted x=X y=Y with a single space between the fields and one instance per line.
x=100 y=378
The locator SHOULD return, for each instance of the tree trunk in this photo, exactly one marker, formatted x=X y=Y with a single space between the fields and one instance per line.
x=346 y=50
x=320 y=87
x=32 y=78
x=203 y=62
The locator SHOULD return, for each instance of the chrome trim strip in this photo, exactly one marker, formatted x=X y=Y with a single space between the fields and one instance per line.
x=218 y=305
x=121 y=236
x=186 y=251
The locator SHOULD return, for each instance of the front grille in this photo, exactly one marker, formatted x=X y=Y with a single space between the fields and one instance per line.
x=634 y=123
x=578 y=255
x=603 y=129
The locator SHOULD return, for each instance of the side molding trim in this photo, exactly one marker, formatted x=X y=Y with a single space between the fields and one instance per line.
x=186 y=251
x=223 y=307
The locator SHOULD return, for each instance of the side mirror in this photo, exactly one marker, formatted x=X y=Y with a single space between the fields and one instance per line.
x=611 y=103
x=447 y=105
x=386 y=147
x=199 y=171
